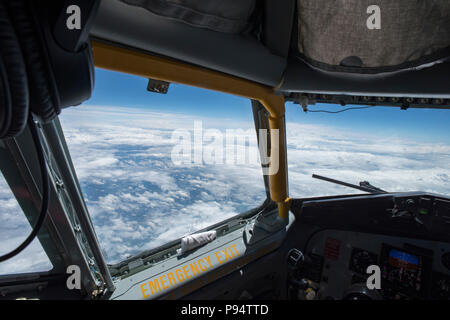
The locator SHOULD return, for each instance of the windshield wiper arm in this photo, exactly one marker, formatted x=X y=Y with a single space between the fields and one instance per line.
x=368 y=185
x=363 y=185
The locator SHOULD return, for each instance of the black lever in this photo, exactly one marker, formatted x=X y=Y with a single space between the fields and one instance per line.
x=363 y=186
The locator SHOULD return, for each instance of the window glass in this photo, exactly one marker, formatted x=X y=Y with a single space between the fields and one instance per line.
x=393 y=149
x=14 y=228
x=155 y=167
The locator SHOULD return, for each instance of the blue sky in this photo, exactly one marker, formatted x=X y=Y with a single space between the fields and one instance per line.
x=117 y=89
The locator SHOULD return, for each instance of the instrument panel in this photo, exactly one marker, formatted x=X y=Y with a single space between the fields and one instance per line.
x=405 y=272
x=409 y=268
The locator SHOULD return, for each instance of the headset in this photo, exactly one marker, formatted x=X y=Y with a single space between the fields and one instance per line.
x=46 y=63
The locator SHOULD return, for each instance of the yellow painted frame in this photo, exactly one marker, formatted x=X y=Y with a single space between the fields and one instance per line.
x=129 y=61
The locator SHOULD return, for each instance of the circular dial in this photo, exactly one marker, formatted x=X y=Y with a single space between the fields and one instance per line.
x=361 y=259
x=444 y=285
x=445 y=259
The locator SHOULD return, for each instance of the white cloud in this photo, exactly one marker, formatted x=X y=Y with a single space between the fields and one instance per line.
x=138 y=199
x=14 y=228
x=391 y=164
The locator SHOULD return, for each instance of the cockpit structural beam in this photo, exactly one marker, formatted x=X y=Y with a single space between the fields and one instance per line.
x=132 y=61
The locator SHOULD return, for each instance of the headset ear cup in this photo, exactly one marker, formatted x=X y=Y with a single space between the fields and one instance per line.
x=14 y=81
x=43 y=97
x=5 y=101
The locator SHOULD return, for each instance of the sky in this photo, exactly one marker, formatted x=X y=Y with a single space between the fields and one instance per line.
x=113 y=88
x=122 y=139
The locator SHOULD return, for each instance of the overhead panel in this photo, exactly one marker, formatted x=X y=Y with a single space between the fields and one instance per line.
x=236 y=54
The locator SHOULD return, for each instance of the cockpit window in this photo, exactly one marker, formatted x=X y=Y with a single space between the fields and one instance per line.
x=14 y=228
x=154 y=167
x=395 y=150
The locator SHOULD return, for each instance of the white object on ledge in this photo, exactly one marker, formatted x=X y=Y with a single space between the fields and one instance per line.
x=196 y=240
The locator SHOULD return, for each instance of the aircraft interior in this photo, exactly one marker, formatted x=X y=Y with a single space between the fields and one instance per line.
x=271 y=52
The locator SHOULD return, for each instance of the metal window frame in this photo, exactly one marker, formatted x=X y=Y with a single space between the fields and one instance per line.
x=116 y=57
x=68 y=224
x=67 y=236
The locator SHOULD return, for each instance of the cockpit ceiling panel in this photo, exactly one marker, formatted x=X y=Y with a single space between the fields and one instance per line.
x=231 y=16
x=385 y=49
x=339 y=48
x=234 y=54
x=430 y=82
x=368 y=37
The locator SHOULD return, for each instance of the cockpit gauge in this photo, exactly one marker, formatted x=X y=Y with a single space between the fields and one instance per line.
x=445 y=259
x=361 y=259
x=441 y=286
x=406 y=271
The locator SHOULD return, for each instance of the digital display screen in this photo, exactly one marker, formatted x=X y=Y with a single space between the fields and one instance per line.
x=402 y=270
x=404 y=260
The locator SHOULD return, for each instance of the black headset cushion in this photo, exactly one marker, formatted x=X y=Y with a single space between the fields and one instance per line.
x=42 y=97
x=15 y=98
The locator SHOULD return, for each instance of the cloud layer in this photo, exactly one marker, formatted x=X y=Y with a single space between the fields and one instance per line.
x=139 y=199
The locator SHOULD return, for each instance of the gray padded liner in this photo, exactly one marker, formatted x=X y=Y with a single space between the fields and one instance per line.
x=427 y=82
x=330 y=31
x=232 y=54
x=277 y=32
x=231 y=16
